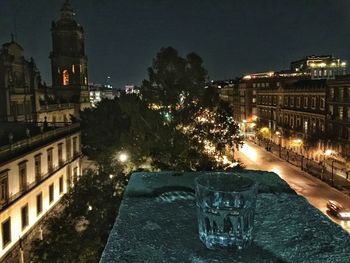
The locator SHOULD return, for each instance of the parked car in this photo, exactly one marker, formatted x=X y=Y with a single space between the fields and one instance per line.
x=337 y=210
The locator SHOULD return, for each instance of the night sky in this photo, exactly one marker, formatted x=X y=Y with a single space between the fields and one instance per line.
x=232 y=37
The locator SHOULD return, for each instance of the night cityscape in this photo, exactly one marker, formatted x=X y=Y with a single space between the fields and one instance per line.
x=174 y=131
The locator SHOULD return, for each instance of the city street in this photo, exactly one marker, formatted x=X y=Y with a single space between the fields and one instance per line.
x=313 y=189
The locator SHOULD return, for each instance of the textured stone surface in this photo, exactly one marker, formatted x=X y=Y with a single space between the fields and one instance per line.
x=158 y=223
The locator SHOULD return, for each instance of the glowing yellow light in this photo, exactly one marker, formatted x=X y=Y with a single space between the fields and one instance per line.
x=123 y=157
x=65 y=77
x=328 y=152
x=249 y=152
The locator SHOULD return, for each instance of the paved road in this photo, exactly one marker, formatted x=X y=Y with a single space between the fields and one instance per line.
x=313 y=189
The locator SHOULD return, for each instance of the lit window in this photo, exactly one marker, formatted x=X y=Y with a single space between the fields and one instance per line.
x=331 y=93
x=85 y=80
x=340 y=112
x=65 y=77
x=73 y=68
x=322 y=103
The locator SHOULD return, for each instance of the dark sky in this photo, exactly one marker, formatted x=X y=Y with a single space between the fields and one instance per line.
x=232 y=37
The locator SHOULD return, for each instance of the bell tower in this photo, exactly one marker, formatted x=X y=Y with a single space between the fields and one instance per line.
x=68 y=59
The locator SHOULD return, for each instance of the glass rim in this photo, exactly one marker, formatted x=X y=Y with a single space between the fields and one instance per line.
x=251 y=185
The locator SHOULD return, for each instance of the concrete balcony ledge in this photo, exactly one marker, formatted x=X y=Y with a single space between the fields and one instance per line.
x=155 y=226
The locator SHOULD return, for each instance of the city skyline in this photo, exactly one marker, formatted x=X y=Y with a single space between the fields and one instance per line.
x=123 y=36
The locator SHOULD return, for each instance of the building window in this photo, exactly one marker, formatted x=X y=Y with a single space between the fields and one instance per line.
x=292 y=101
x=341 y=93
x=37 y=166
x=348 y=113
x=306 y=102
x=285 y=101
x=75 y=140
x=22 y=172
x=39 y=204
x=6 y=232
x=65 y=77
x=331 y=93
x=298 y=102
x=60 y=185
x=4 y=187
x=322 y=103
x=340 y=113
x=49 y=160
x=24 y=216
x=60 y=153
x=73 y=68
x=51 y=193
x=313 y=102
x=75 y=175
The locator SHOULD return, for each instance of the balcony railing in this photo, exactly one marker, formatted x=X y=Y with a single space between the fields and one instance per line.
x=54 y=107
x=4 y=203
x=11 y=149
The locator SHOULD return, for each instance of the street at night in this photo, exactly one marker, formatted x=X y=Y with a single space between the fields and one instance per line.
x=313 y=189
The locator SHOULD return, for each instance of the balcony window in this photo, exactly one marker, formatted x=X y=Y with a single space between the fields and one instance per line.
x=75 y=175
x=292 y=101
x=313 y=102
x=322 y=103
x=37 y=167
x=24 y=216
x=6 y=232
x=60 y=153
x=340 y=113
x=4 y=188
x=75 y=146
x=22 y=172
x=39 y=204
x=49 y=160
x=306 y=102
x=298 y=102
x=60 y=185
x=51 y=193
x=341 y=93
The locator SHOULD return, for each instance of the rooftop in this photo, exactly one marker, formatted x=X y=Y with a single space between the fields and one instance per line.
x=157 y=223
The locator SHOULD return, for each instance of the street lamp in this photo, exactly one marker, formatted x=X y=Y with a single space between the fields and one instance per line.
x=123 y=157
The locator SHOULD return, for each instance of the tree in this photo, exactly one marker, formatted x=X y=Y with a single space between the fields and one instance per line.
x=80 y=231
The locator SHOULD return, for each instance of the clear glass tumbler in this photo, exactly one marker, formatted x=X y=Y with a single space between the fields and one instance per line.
x=226 y=208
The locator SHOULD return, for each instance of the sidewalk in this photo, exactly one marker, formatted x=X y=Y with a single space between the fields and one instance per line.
x=315 y=169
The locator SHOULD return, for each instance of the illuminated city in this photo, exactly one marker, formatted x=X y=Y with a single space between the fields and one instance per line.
x=174 y=131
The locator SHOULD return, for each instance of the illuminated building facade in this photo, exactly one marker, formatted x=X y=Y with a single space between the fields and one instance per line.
x=338 y=115
x=320 y=67
x=35 y=172
x=68 y=59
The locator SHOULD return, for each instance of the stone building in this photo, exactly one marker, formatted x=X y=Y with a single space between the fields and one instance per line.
x=68 y=60
x=40 y=149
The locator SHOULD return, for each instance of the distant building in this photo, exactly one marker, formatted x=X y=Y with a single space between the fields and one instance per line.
x=320 y=67
x=99 y=92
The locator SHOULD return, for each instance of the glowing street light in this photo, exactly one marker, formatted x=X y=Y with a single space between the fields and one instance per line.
x=328 y=152
x=123 y=157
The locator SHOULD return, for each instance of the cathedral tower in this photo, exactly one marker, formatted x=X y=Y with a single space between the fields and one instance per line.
x=68 y=59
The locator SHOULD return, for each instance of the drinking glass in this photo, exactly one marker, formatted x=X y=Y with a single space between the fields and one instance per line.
x=225 y=209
